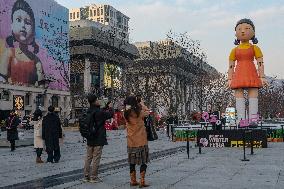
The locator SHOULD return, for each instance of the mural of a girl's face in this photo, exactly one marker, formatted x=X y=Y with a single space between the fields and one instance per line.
x=244 y=32
x=22 y=27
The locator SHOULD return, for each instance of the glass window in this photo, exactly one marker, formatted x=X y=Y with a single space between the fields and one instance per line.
x=27 y=99
x=65 y=101
x=28 y=112
x=102 y=11
x=74 y=15
x=76 y=78
x=70 y=15
x=95 y=79
x=98 y=12
x=54 y=101
x=39 y=100
x=106 y=10
x=77 y=14
x=98 y=19
x=5 y=95
x=94 y=12
x=91 y=13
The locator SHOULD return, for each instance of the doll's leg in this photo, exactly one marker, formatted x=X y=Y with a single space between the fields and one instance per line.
x=253 y=102
x=240 y=105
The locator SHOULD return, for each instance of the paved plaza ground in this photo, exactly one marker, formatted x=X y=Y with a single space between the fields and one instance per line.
x=214 y=168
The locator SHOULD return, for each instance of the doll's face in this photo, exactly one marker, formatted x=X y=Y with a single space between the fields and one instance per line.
x=22 y=27
x=244 y=32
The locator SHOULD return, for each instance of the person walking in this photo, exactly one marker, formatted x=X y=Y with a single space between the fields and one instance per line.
x=97 y=138
x=137 y=144
x=12 y=124
x=51 y=133
x=38 y=141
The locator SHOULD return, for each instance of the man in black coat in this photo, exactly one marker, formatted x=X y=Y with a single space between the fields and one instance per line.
x=97 y=139
x=12 y=123
x=51 y=132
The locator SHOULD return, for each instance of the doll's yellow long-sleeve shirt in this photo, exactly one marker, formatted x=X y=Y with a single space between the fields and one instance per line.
x=257 y=51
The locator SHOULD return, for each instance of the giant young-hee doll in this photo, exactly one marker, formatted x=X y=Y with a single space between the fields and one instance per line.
x=242 y=73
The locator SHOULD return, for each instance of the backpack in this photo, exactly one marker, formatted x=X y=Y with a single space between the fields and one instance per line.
x=87 y=124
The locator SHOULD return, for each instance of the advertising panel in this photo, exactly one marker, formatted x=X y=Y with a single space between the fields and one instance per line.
x=34 y=43
x=232 y=138
x=230 y=116
x=18 y=102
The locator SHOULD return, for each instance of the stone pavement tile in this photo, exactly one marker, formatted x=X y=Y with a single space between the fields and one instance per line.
x=216 y=168
x=19 y=166
x=279 y=185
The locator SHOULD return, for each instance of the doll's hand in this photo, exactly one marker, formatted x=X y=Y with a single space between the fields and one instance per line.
x=229 y=82
x=264 y=82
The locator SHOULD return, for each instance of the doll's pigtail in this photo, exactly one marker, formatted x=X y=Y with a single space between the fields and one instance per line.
x=10 y=41
x=36 y=47
x=254 y=40
x=237 y=42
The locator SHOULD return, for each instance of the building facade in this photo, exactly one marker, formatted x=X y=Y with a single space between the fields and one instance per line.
x=107 y=15
x=34 y=68
x=95 y=53
x=27 y=99
x=166 y=78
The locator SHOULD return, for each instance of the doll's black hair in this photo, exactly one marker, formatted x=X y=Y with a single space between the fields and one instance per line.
x=247 y=21
x=23 y=5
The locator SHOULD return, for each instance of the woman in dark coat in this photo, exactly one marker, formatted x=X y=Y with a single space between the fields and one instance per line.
x=12 y=123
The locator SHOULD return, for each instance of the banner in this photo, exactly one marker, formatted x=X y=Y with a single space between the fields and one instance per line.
x=18 y=102
x=34 y=43
x=231 y=138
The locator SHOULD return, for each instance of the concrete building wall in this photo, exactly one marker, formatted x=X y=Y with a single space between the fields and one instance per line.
x=106 y=15
x=64 y=104
x=74 y=14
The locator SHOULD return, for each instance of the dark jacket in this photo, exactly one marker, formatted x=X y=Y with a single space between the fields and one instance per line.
x=51 y=131
x=100 y=116
x=12 y=123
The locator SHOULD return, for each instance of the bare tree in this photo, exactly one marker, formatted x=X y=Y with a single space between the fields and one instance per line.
x=217 y=93
x=271 y=98
x=166 y=72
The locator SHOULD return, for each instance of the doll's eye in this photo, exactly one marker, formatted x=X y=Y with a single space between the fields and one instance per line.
x=28 y=22
x=18 y=19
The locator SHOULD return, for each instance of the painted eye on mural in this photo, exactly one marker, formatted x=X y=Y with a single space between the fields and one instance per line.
x=18 y=19
x=28 y=22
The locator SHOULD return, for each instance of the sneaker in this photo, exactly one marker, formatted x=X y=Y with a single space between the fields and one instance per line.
x=95 y=180
x=86 y=179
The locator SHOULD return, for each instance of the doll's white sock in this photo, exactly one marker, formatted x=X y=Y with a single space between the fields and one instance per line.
x=253 y=108
x=240 y=107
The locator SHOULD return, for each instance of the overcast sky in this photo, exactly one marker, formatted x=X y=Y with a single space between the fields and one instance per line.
x=210 y=21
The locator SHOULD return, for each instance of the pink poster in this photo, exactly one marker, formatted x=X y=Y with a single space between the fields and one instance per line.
x=34 y=43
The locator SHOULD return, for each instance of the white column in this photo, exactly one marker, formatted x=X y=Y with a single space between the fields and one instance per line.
x=87 y=76
x=102 y=72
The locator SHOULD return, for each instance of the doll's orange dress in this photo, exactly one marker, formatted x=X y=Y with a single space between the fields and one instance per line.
x=245 y=74
x=21 y=71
